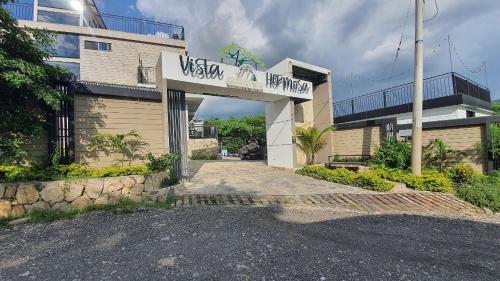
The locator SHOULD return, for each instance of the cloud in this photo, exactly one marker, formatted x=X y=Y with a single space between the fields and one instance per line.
x=343 y=35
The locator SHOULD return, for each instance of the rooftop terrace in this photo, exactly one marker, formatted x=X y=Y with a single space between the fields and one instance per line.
x=95 y=19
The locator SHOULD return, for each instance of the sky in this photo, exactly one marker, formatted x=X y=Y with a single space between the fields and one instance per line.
x=357 y=40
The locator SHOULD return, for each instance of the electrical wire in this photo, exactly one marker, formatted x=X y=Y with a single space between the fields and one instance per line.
x=479 y=69
x=435 y=14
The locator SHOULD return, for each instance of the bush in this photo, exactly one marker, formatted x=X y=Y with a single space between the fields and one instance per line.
x=429 y=180
x=204 y=156
x=162 y=163
x=366 y=180
x=61 y=172
x=371 y=181
x=461 y=173
x=483 y=191
x=393 y=154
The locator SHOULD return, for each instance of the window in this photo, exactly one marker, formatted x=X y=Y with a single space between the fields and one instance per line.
x=470 y=114
x=66 y=45
x=61 y=4
x=62 y=18
x=100 y=46
x=72 y=67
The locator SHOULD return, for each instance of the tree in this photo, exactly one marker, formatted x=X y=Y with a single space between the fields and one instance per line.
x=240 y=55
x=27 y=86
x=311 y=141
x=127 y=145
x=234 y=132
x=495 y=106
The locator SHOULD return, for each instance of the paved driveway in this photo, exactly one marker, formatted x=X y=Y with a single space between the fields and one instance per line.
x=241 y=243
x=255 y=178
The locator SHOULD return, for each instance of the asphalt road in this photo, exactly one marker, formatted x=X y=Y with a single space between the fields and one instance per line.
x=215 y=243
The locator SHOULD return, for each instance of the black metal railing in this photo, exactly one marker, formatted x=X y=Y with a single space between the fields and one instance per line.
x=24 y=11
x=205 y=132
x=61 y=133
x=434 y=87
x=146 y=75
x=20 y=11
x=133 y=25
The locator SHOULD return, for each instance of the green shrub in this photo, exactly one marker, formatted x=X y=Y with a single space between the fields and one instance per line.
x=161 y=163
x=204 y=156
x=367 y=180
x=117 y=171
x=371 y=181
x=393 y=154
x=483 y=191
x=429 y=180
x=461 y=173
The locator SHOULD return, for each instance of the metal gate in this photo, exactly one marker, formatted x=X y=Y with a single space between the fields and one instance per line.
x=61 y=131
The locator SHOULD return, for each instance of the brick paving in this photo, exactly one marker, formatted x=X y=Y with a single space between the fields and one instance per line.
x=381 y=202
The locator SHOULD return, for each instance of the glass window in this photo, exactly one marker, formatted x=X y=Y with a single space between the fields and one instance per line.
x=101 y=46
x=66 y=45
x=61 y=4
x=72 y=67
x=62 y=18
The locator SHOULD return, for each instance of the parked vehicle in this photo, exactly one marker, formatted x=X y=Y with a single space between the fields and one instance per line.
x=252 y=151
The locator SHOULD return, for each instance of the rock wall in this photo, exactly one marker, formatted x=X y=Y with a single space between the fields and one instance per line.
x=18 y=198
x=203 y=148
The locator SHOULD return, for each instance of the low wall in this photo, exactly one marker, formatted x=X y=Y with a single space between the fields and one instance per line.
x=356 y=141
x=203 y=147
x=18 y=198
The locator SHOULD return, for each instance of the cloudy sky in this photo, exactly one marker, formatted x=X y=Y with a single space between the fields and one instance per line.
x=359 y=37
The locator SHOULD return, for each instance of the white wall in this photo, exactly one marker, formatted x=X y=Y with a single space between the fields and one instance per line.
x=279 y=131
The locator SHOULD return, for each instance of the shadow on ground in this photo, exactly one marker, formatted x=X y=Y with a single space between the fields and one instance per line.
x=215 y=243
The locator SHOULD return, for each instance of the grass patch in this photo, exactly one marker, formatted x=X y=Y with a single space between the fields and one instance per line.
x=124 y=206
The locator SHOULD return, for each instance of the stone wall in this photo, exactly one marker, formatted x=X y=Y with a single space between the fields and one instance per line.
x=203 y=147
x=18 y=198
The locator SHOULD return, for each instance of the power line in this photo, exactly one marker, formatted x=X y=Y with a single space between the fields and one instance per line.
x=479 y=69
x=435 y=14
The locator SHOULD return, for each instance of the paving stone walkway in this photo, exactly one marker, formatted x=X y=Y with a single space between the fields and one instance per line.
x=382 y=202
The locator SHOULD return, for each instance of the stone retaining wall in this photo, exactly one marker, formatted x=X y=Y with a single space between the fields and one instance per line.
x=18 y=198
x=200 y=148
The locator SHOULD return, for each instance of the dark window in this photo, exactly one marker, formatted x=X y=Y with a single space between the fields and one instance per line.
x=72 y=67
x=66 y=45
x=61 y=18
x=61 y=4
x=101 y=46
x=470 y=114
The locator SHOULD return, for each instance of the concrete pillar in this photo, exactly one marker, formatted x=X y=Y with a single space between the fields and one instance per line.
x=280 y=128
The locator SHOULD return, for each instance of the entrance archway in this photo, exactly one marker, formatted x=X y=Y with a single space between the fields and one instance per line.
x=283 y=87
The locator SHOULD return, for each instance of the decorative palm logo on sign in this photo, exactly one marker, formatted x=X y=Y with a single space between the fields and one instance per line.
x=240 y=56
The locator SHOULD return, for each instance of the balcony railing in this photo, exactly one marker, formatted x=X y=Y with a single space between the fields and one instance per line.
x=23 y=11
x=146 y=75
x=205 y=132
x=434 y=87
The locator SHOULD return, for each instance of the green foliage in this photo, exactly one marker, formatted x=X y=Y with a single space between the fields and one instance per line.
x=164 y=162
x=371 y=181
x=365 y=179
x=483 y=191
x=495 y=106
x=311 y=141
x=239 y=55
x=439 y=155
x=461 y=173
x=27 y=87
x=393 y=154
x=204 y=156
x=60 y=172
x=127 y=145
x=233 y=132
x=429 y=180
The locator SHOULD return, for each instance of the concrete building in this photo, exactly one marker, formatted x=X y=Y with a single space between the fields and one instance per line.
x=134 y=74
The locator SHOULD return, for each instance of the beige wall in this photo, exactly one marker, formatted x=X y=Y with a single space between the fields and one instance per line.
x=38 y=149
x=120 y=65
x=466 y=139
x=116 y=116
x=358 y=141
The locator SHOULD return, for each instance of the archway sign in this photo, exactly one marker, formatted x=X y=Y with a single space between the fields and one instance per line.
x=178 y=74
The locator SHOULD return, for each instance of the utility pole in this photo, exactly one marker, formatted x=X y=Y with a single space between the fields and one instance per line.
x=416 y=148
x=449 y=52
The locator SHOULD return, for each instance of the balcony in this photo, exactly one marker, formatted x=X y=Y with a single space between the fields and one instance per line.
x=99 y=20
x=146 y=75
x=440 y=86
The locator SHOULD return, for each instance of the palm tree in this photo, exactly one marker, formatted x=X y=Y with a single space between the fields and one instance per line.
x=127 y=144
x=439 y=154
x=311 y=141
